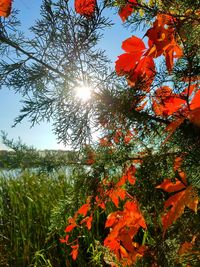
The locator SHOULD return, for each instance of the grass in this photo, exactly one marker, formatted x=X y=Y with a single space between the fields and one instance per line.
x=33 y=209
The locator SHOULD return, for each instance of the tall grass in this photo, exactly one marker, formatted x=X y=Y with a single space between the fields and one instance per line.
x=33 y=211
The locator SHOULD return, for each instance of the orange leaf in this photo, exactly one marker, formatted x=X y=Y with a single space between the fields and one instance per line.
x=162 y=40
x=177 y=203
x=85 y=7
x=124 y=226
x=171 y=128
x=71 y=226
x=83 y=209
x=128 y=176
x=194 y=116
x=65 y=240
x=88 y=221
x=170 y=187
x=186 y=247
x=112 y=219
x=74 y=252
x=5 y=7
x=177 y=163
x=116 y=194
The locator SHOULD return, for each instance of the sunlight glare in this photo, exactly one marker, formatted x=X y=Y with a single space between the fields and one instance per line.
x=83 y=92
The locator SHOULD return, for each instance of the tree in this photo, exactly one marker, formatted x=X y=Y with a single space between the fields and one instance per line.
x=148 y=156
x=46 y=67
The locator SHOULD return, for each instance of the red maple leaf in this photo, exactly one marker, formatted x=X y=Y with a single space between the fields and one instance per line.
x=5 y=7
x=85 y=7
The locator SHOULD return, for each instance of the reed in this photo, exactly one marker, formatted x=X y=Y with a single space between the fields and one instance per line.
x=33 y=210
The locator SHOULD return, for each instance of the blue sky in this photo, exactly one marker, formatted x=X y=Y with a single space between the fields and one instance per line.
x=41 y=136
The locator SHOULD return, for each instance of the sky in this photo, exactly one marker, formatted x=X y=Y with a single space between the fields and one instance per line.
x=41 y=136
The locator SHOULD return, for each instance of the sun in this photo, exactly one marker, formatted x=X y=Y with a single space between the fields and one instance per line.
x=83 y=92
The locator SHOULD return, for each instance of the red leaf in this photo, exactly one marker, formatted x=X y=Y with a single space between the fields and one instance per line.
x=172 y=52
x=145 y=70
x=177 y=202
x=126 y=11
x=116 y=194
x=124 y=226
x=194 y=116
x=74 y=252
x=85 y=7
x=65 y=240
x=195 y=104
x=112 y=219
x=5 y=7
x=126 y=63
x=134 y=45
x=169 y=187
x=84 y=209
x=162 y=40
x=71 y=226
x=87 y=221
x=130 y=175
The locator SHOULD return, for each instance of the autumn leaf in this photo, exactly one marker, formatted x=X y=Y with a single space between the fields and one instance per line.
x=65 y=240
x=71 y=226
x=194 y=113
x=145 y=70
x=85 y=7
x=126 y=63
x=124 y=225
x=5 y=7
x=133 y=64
x=116 y=194
x=74 y=252
x=128 y=176
x=170 y=187
x=87 y=221
x=100 y=203
x=162 y=40
x=184 y=197
x=127 y=10
x=134 y=48
x=134 y=45
x=83 y=209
